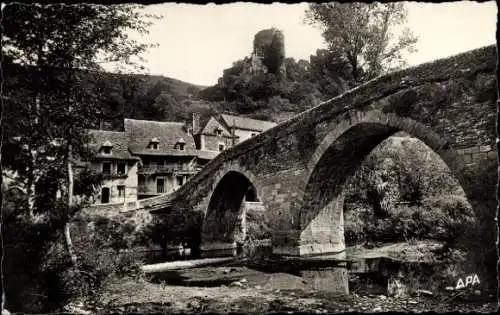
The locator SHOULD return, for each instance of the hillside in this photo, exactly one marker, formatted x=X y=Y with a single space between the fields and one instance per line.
x=118 y=96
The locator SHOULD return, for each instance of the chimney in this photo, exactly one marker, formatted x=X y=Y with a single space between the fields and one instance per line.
x=187 y=127
x=196 y=122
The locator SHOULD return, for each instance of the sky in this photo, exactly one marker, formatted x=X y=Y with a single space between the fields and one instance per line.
x=197 y=42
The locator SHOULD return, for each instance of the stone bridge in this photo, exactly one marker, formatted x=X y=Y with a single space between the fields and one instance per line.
x=298 y=168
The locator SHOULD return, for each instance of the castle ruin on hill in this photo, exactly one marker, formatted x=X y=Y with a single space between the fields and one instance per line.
x=268 y=56
x=268 y=53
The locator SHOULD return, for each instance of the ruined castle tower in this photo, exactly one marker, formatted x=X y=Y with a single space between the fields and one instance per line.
x=268 y=54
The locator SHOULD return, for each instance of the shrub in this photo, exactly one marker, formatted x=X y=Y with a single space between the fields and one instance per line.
x=104 y=250
x=257 y=227
x=354 y=226
x=444 y=218
x=453 y=218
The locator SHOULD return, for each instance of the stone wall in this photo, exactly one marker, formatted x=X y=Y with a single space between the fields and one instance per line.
x=212 y=142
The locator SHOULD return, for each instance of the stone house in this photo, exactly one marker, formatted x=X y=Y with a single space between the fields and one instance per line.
x=149 y=158
x=213 y=136
x=244 y=128
x=168 y=155
x=118 y=166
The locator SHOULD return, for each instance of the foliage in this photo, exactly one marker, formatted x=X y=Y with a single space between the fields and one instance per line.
x=50 y=105
x=443 y=219
x=327 y=74
x=265 y=94
x=25 y=240
x=330 y=73
x=425 y=201
x=414 y=173
x=110 y=241
x=361 y=34
x=57 y=43
x=257 y=227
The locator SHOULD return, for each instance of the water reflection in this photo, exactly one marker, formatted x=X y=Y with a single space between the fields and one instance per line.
x=337 y=273
x=333 y=280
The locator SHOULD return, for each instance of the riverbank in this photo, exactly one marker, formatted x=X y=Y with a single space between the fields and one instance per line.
x=261 y=286
x=133 y=295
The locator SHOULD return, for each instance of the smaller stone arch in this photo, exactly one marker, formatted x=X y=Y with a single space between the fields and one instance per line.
x=224 y=222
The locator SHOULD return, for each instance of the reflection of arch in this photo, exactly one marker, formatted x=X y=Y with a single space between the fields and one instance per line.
x=344 y=148
x=223 y=217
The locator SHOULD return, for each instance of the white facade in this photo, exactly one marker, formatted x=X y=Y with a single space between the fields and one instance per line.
x=118 y=188
x=244 y=134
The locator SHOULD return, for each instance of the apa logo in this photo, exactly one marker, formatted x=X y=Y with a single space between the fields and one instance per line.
x=470 y=280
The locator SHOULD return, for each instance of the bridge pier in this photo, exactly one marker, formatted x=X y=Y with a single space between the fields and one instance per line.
x=322 y=232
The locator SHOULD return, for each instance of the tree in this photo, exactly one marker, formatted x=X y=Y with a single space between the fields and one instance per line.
x=297 y=71
x=362 y=34
x=58 y=46
x=331 y=74
x=166 y=107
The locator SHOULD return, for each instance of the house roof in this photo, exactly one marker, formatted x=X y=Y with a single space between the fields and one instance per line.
x=117 y=139
x=210 y=126
x=140 y=133
x=246 y=123
x=201 y=154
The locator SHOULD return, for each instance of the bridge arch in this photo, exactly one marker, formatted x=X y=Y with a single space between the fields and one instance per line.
x=224 y=220
x=351 y=138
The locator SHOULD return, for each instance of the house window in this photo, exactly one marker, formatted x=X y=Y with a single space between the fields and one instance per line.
x=181 y=146
x=221 y=147
x=217 y=131
x=180 y=180
x=160 y=185
x=121 y=191
x=121 y=169
x=154 y=146
x=106 y=168
x=106 y=150
x=105 y=195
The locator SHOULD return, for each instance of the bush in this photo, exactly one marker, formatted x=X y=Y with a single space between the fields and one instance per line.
x=104 y=250
x=257 y=227
x=443 y=218
x=355 y=225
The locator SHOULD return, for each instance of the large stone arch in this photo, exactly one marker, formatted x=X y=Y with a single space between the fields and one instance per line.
x=224 y=209
x=352 y=136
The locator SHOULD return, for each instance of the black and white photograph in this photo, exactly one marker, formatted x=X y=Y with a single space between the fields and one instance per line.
x=240 y=157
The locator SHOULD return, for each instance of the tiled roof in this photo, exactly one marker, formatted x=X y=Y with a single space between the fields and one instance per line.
x=141 y=132
x=118 y=140
x=210 y=126
x=246 y=123
x=202 y=154
x=167 y=151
